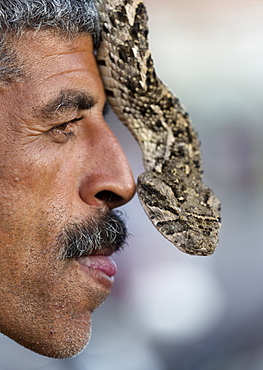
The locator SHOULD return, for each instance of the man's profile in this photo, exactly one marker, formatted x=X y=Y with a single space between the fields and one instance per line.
x=62 y=172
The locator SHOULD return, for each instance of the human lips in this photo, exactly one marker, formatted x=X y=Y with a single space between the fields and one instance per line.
x=100 y=267
x=102 y=263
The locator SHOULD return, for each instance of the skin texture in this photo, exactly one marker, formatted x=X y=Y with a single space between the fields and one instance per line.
x=51 y=175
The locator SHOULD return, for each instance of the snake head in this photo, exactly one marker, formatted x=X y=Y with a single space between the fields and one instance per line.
x=186 y=213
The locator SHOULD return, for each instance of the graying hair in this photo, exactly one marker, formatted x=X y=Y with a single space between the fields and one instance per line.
x=66 y=18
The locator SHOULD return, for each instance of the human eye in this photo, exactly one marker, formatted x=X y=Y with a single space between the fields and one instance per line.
x=64 y=131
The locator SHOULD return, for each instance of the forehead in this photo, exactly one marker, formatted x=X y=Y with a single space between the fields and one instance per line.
x=51 y=63
x=42 y=51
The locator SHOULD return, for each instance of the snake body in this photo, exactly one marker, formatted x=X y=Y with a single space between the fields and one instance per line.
x=171 y=190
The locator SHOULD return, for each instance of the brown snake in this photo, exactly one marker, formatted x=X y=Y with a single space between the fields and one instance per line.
x=171 y=190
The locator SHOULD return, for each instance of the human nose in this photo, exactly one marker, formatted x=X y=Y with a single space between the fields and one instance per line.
x=108 y=180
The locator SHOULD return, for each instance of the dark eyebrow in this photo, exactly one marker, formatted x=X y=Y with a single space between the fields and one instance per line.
x=67 y=101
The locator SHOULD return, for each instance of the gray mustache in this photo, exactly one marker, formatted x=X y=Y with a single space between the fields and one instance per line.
x=107 y=231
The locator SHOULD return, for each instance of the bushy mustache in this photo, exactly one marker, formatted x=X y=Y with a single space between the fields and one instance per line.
x=106 y=231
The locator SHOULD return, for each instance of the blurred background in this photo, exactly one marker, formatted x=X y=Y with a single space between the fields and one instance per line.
x=168 y=310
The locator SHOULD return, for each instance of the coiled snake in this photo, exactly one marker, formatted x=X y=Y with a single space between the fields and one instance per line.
x=171 y=190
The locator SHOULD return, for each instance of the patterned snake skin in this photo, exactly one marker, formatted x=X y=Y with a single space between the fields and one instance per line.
x=171 y=190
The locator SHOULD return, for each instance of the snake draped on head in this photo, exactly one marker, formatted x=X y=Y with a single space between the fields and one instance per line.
x=171 y=191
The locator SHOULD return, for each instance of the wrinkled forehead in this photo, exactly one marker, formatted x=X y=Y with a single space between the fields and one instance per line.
x=52 y=66
x=43 y=52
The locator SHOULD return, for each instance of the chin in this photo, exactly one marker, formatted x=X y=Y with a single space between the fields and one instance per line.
x=59 y=349
x=64 y=350
x=62 y=342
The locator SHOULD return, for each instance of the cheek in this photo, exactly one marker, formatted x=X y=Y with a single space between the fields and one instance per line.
x=48 y=301
x=51 y=303
x=33 y=189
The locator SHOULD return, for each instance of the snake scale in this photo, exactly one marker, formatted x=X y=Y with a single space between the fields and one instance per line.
x=171 y=191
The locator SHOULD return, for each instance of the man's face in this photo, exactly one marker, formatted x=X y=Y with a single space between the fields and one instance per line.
x=60 y=168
